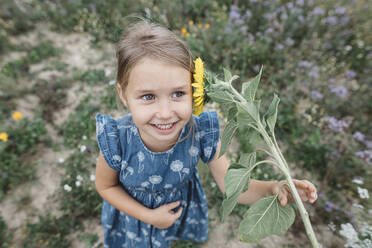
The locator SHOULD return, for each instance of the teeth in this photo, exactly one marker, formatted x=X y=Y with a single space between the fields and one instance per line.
x=167 y=126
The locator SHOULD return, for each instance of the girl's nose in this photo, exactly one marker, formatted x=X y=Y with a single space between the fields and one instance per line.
x=165 y=110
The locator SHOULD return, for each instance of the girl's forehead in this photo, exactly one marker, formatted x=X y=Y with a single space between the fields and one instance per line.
x=151 y=72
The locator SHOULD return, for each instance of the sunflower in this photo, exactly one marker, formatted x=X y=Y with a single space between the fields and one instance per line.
x=198 y=85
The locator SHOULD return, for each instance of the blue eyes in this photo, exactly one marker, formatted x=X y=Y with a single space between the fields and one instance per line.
x=178 y=94
x=150 y=97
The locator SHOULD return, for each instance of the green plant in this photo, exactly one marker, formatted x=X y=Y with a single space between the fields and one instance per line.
x=49 y=231
x=16 y=167
x=36 y=54
x=80 y=123
x=5 y=234
x=267 y=216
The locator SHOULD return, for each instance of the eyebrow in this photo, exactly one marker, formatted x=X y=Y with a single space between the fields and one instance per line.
x=182 y=87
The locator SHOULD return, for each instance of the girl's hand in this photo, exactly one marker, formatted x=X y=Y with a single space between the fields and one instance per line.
x=163 y=216
x=305 y=189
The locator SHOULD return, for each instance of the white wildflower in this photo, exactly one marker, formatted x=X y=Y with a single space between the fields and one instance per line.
x=79 y=178
x=363 y=193
x=112 y=82
x=213 y=184
x=332 y=226
x=358 y=180
x=84 y=137
x=67 y=187
x=78 y=183
x=92 y=177
x=348 y=231
x=61 y=160
x=83 y=148
x=356 y=205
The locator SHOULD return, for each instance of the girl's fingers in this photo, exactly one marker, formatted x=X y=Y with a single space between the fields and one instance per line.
x=178 y=213
x=173 y=205
x=283 y=197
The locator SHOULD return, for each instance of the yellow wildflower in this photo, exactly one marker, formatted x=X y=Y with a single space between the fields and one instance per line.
x=191 y=23
x=207 y=26
x=4 y=137
x=187 y=34
x=183 y=31
x=200 y=25
x=17 y=116
x=198 y=85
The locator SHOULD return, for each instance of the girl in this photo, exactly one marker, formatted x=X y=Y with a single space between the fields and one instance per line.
x=146 y=170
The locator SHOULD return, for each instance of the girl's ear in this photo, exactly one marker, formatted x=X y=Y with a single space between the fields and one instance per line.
x=121 y=95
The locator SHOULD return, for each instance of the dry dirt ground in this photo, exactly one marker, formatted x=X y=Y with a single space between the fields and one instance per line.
x=79 y=54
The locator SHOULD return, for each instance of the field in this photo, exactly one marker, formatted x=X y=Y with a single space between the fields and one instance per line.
x=57 y=71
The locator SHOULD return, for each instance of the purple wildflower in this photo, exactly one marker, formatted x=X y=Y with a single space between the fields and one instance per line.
x=269 y=31
x=336 y=125
x=344 y=20
x=340 y=10
x=234 y=14
x=243 y=29
x=317 y=11
x=359 y=136
x=228 y=30
x=248 y=14
x=314 y=73
x=279 y=46
x=251 y=37
x=289 y=42
x=300 y=2
x=366 y=155
x=329 y=206
x=335 y=154
x=316 y=95
x=332 y=80
x=331 y=20
x=340 y=91
x=350 y=74
x=301 y=18
x=305 y=64
x=368 y=144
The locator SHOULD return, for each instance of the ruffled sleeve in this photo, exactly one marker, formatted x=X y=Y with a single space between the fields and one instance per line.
x=108 y=140
x=208 y=133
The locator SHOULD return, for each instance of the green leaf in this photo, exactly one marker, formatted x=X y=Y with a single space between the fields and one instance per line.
x=249 y=88
x=233 y=78
x=220 y=96
x=232 y=112
x=248 y=159
x=227 y=75
x=228 y=205
x=248 y=112
x=236 y=180
x=266 y=217
x=227 y=135
x=272 y=113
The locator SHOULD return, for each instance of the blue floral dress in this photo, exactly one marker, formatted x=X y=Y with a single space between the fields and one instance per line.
x=157 y=178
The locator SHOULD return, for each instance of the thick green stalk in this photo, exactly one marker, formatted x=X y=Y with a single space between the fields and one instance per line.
x=282 y=165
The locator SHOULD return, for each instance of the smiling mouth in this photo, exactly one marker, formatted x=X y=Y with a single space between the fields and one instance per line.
x=164 y=126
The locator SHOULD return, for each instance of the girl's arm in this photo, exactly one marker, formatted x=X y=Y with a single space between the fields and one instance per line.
x=259 y=189
x=108 y=187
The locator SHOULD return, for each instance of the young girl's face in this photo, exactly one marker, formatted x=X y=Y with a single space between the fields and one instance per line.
x=159 y=97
